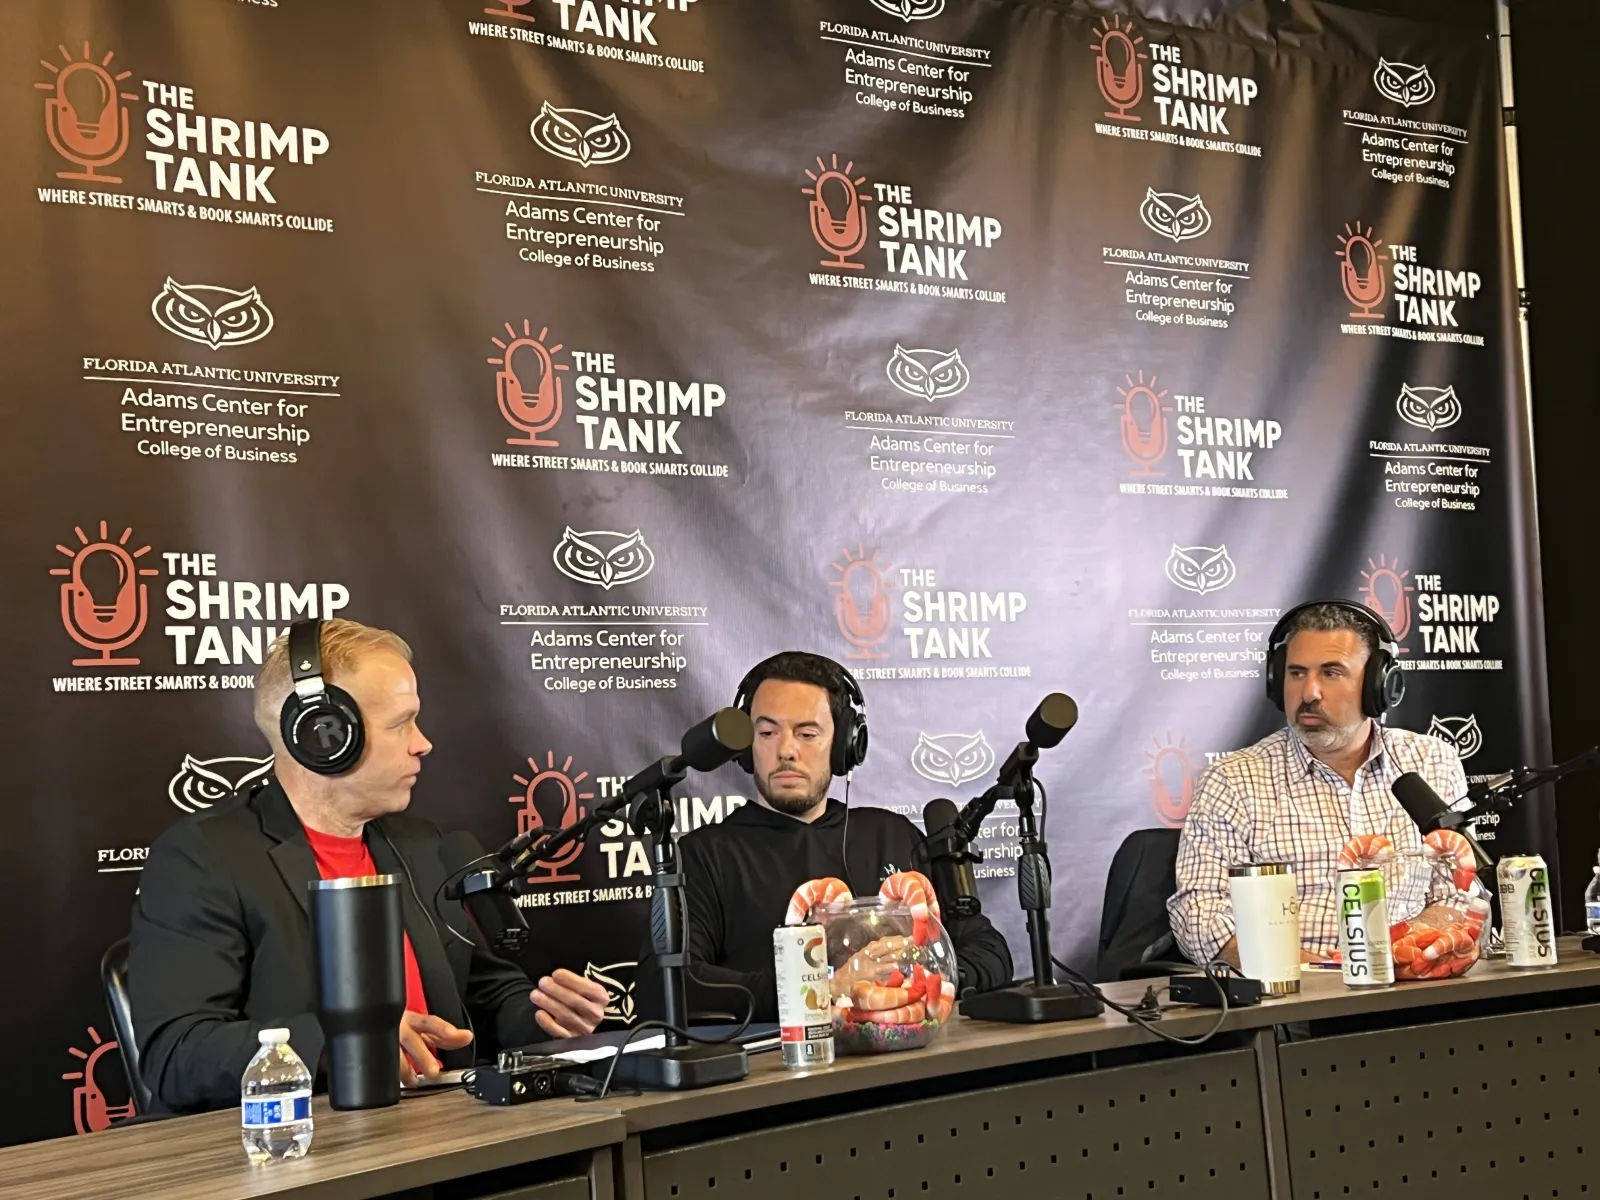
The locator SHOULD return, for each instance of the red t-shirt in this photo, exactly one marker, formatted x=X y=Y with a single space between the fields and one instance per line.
x=348 y=858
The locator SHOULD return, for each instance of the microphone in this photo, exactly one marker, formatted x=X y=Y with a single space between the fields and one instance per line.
x=1424 y=806
x=950 y=861
x=494 y=915
x=1047 y=725
x=715 y=742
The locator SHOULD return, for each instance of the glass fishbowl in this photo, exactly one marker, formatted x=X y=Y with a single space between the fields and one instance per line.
x=892 y=974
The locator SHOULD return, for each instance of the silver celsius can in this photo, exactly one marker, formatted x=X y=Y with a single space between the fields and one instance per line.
x=805 y=1005
x=1525 y=911
x=1364 y=929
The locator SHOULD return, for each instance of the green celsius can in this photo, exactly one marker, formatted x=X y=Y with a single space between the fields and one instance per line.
x=1364 y=929
x=1525 y=912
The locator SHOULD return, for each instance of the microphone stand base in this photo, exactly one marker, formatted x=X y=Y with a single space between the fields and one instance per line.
x=678 y=1068
x=1032 y=1004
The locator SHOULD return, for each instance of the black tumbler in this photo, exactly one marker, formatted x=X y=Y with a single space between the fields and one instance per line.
x=361 y=986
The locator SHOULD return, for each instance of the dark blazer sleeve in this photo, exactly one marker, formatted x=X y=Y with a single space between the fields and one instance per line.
x=497 y=997
x=981 y=950
x=188 y=967
x=711 y=987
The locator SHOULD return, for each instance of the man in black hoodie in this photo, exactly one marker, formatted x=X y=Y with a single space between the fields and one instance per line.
x=740 y=875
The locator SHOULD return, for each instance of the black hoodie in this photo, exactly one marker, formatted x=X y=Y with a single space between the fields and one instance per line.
x=740 y=874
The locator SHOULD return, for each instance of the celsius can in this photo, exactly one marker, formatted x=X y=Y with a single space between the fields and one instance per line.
x=1525 y=912
x=805 y=1006
x=1364 y=929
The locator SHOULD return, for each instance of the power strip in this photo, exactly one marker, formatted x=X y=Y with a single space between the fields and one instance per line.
x=1203 y=992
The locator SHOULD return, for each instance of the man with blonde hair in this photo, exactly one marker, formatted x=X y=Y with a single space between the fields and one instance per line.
x=221 y=941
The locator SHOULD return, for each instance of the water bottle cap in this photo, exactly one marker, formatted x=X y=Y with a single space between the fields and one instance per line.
x=273 y=1037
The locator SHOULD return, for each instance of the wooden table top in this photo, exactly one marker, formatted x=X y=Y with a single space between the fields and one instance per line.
x=974 y=1045
x=426 y=1139
x=354 y=1155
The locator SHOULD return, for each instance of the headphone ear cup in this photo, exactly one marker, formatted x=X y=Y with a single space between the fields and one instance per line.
x=325 y=736
x=746 y=759
x=1275 y=668
x=1393 y=685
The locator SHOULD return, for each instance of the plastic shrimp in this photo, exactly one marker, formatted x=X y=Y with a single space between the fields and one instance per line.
x=875 y=997
x=913 y=888
x=812 y=894
x=1363 y=849
x=1454 y=849
x=914 y=1013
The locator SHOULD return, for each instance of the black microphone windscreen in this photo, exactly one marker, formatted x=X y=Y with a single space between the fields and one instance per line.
x=716 y=740
x=458 y=849
x=1422 y=804
x=1052 y=720
x=938 y=816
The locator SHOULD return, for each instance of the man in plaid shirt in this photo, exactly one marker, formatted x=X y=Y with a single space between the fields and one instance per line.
x=1297 y=796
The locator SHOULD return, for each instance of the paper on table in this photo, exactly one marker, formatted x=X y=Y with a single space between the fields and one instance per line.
x=654 y=1042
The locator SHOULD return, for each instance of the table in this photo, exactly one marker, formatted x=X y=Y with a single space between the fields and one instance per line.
x=1426 y=1089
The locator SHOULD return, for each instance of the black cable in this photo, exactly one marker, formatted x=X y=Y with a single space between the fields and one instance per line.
x=1143 y=1020
x=1044 y=807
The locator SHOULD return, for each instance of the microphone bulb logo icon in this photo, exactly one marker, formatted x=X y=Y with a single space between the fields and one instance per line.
x=84 y=116
x=1385 y=591
x=1144 y=424
x=838 y=210
x=510 y=9
x=1117 y=67
x=104 y=606
x=1171 y=771
x=1361 y=258
x=861 y=602
x=550 y=800
x=92 y=1110
x=526 y=361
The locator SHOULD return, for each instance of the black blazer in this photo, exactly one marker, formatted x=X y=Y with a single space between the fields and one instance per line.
x=221 y=948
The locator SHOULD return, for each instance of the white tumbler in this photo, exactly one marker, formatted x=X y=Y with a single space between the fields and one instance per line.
x=1266 y=920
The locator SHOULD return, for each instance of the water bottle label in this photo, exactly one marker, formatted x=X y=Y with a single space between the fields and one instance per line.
x=1592 y=912
x=272 y=1111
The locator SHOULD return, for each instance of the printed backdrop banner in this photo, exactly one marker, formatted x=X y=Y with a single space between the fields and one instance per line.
x=603 y=347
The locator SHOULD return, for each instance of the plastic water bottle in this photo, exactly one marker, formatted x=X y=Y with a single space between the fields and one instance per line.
x=275 y=1099
x=1591 y=904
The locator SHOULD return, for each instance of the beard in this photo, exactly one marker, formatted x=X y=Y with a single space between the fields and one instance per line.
x=1326 y=739
x=791 y=803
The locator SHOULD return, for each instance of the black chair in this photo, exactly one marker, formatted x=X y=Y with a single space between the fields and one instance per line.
x=1135 y=934
x=114 y=975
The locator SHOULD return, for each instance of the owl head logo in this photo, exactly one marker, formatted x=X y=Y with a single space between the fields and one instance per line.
x=952 y=758
x=580 y=136
x=1428 y=408
x=1404 y=84
x=603 y=557
x=928 y=374
x=1174 y=216
x=1117 y=66
x=1144 y=423
x=1201 y=569
x=213 y=316
x=861 y=601
x=617 y=979
x=1385 y=591
x=1361 y=257
x=550 y=799
x=1461 y=732
x=201 y=782
x=910 y=10
x=1172 y=769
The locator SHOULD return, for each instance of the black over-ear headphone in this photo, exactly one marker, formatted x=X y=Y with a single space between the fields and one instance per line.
x=848 y=705
x=1383 y=684
x=321 y=723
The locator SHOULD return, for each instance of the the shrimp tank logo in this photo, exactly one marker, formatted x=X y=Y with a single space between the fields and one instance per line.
x=1172 y=770
x=861 y=605
x=1386 y=589
x=527 y=386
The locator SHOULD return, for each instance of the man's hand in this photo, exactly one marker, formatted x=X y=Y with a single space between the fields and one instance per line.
x=872 y=963
x=420 y=1035
x=568 y=1005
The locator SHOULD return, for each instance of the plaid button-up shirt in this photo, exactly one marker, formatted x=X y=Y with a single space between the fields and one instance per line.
x=1273 y=802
